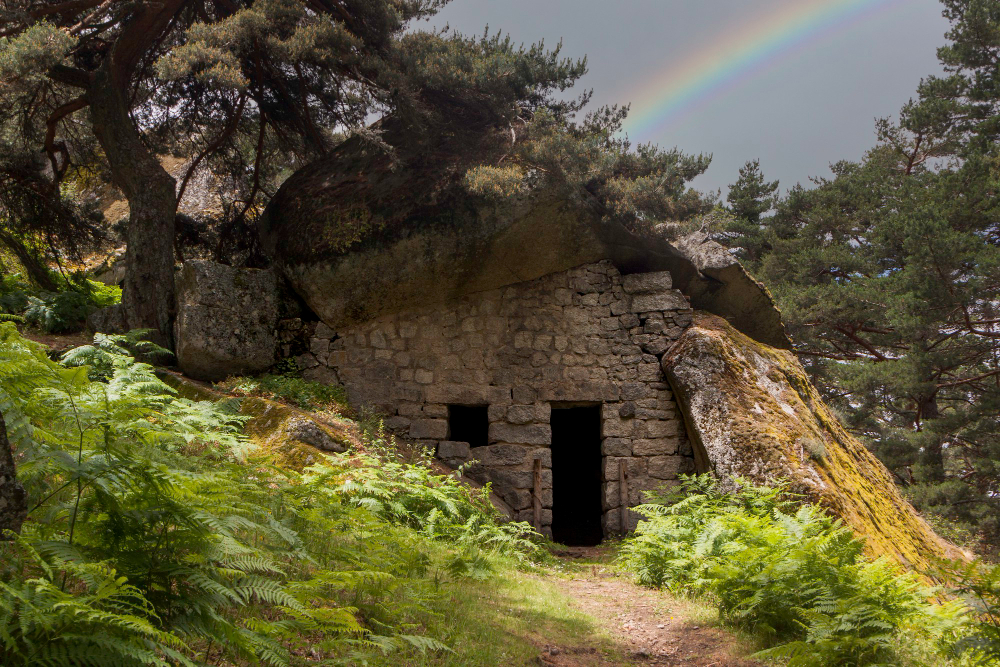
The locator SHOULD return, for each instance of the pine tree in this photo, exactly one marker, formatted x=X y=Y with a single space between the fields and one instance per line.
x=888 y=272
x=226 y=74
x=749 y=199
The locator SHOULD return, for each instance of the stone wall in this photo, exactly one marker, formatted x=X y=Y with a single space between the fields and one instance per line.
x=587 y=336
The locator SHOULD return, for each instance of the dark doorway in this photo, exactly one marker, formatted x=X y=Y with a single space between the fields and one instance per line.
x=576 y=476
x=469 y=423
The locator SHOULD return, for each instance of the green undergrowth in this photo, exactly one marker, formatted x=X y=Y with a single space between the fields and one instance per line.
x=289 y=386
x=158 y=535
x=60 y=311
x=796 y=578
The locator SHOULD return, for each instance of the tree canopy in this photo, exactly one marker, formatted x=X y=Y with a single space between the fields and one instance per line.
x=888 y=274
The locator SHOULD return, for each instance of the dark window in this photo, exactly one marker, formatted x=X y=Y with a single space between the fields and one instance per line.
x=576 y=476
x=469 y=423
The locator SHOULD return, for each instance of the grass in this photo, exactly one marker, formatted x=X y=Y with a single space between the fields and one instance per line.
x=507 y=619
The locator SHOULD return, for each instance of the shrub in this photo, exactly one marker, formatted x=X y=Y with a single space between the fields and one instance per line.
x=794 y=577
x=289 y=387
x=978 y=583
x=56 y=312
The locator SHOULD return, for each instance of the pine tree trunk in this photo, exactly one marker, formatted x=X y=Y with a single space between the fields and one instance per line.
x=148 y=297
x=931 y=458
x=13 y=499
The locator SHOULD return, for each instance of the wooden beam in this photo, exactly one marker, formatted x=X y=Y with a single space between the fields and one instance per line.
x=623 y=495
x=536 y=494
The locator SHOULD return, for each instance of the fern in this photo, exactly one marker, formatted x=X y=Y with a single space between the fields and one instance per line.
x=793 y=576
x=156 y=526
x=109 y=351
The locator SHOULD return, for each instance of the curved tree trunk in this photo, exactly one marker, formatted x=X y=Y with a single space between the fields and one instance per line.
x=13 y=499
x=148 y=297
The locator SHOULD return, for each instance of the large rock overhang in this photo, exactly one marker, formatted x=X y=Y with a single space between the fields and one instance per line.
x=433 y=251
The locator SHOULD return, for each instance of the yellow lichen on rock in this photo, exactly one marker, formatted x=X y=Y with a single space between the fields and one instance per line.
x=752 y=411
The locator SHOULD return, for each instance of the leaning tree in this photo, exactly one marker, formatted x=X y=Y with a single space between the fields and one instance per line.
x=142 y=77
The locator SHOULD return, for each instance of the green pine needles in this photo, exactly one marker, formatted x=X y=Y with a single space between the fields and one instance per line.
x=789 y=574
x=157 y=535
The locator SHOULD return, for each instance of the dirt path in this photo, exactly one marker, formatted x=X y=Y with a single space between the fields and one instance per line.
x=647 y=627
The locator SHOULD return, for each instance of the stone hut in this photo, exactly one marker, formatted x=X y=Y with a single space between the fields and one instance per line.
x=552 y=387
x=574 y=364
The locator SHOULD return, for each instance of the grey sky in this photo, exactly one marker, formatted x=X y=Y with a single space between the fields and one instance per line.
x=811 y=106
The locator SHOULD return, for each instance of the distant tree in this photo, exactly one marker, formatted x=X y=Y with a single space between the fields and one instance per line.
x=888 y=275
x=749 y=199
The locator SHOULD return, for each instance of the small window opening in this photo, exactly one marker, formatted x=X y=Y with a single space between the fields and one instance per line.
x=469 y=423
x=576 y=476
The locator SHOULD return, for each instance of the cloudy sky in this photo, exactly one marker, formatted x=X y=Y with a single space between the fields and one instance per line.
x=794 y=83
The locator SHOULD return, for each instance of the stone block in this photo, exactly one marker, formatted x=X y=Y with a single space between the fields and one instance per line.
x=544 y=454
x=502 y=454
x=449 y=449
x=610 y=495
x=635 y=390
x=397 y=423
x=654 y=327
x=405 y=391
x=611 y=324
x=672 y=300
x=432 y=429
x=324 y=331
x=661 y=428
x=496 y=413
x=654 y=446
x=408 y=409
x=523 y=394
x=612 y=521
x=617 y=447
x=617 y=428
x=519 y=499
x=634 y=467
x=629 y=320
x=320 y=347
x=649 y=372
x=523 y=339
x=465 y=394
x=665 y=467
x=627 y=410
x=307 y=360
x=656 y=345
x=521 y=414
x=530 y=434
x=226 y=320
x=435 y=410
x=647 y=283
x=655 y=414
x=517 y=479
x=311 y=433
x=423 y=377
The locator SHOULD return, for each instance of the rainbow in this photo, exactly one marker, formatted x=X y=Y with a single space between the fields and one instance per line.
x=737 y=55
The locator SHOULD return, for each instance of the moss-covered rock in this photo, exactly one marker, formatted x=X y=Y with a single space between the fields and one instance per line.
x=360 y=233
x=752 y=412
x=297 y=438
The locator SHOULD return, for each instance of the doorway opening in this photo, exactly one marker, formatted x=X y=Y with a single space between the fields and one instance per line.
x=576 y=475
